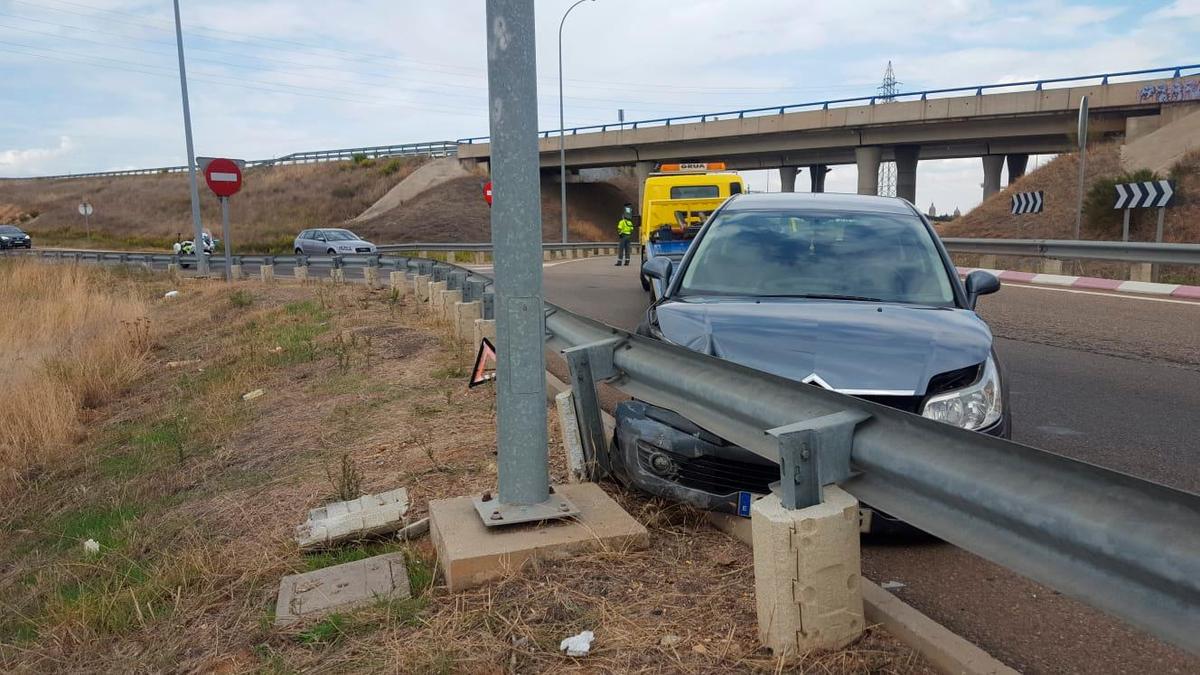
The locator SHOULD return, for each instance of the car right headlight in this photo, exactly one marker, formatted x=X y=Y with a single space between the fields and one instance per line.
x=974 y=407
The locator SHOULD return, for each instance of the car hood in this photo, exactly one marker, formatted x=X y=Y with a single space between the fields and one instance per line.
x=853 y=347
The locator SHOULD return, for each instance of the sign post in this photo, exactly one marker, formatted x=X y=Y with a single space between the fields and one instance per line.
x=197 y=227
x=85 y=210
x=224 y=178
x=1083 y=130
x=1148 y=194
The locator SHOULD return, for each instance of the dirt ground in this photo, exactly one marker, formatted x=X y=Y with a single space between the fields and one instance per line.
x=193 y=493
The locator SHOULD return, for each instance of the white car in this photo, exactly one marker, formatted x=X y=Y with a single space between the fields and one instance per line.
x=331 y=241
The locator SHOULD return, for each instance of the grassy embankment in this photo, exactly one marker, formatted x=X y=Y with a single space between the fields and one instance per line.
x=193 y=493
x=148 y=212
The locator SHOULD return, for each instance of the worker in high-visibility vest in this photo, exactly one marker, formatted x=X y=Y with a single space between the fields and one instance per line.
x=624 y=233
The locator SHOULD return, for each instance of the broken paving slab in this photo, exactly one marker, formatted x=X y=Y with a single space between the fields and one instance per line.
x=314 y=594
x=369 y=515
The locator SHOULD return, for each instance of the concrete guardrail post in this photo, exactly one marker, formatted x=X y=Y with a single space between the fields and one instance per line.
x=807 y=572
x=484 y=328
x=480 y=258
x=235 y=269
x=267 y=270
x=397 y=282
x=465 y=315
x=547 y=254
x=300 y=271
x=987 y=261
x=1051 y=266
x=446 y=307
x=371 y=275
x=452 y=256
x=1141 y=272
x=420 y=286
x=435 y=296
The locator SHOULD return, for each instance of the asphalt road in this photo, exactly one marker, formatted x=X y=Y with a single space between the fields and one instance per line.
x=1105 y=378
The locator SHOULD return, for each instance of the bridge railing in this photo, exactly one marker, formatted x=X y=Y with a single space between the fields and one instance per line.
x=976 y=89
x=427 y=149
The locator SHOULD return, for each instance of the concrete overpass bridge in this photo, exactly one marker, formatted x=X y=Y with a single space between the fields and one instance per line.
x=1001 y=123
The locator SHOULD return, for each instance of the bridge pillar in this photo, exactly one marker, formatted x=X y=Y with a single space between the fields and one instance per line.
x=1016 y=167
x=816 y=177
x=991 y=174
x=641 y=171
x=787 y=178
x=906 y=171
x=867 y=159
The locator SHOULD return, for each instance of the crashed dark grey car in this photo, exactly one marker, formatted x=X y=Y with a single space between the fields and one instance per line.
x=850 y=293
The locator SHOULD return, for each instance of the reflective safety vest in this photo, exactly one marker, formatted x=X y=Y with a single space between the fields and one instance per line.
x=624 y=227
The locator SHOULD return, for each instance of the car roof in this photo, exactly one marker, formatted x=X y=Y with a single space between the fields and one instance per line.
x=818 y=201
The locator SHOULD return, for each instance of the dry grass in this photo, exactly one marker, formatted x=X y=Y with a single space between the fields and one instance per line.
x=193 y=493
x=75 y=338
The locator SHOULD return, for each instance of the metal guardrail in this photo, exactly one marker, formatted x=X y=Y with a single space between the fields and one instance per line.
x=429 y=149
x=977 y=89
x=1125 y=251
x=1125 y=545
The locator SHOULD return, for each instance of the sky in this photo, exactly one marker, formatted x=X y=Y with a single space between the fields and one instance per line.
x=88 y=85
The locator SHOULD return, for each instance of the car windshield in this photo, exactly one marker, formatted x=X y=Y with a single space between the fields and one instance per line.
x=855 y=256
x=9 y=229
x=340 y=235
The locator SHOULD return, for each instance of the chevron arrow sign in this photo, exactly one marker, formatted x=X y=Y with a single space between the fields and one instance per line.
x=1027 y=202
x=1145 y=195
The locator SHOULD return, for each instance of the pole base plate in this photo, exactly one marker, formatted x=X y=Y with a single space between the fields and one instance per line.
x=494 y=513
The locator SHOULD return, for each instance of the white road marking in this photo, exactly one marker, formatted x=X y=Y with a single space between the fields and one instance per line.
x=223 y=177
x=1009 y=284
x=544 y=265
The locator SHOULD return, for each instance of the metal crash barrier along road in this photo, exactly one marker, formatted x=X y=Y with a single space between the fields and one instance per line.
x=1125 y=545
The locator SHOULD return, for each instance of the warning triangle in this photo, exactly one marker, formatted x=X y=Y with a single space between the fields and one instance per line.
x=485 y=364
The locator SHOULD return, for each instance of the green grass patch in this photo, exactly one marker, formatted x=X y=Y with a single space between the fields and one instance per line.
x=241 y=298
x=346 y=554
x=450 y=372
x=104 y=524
x=328 y=631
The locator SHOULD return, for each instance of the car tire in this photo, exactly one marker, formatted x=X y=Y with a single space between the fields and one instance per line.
x=299 y=252
x=331 y=252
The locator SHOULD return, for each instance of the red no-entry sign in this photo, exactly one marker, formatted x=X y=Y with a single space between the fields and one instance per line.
x=224 y=177
x=487 y=192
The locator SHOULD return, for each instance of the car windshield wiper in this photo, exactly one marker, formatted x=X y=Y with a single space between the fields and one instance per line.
x=824 y=296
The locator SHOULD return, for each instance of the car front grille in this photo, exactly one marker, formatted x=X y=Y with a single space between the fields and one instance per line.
x=362 y=249
x=910 y=404
x=714 y=475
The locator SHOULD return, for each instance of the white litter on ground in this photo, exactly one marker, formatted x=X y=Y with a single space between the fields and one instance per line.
x=91 y=546
x=170 y=294
x=577 y=645
x=250 y=396
x=889 y=585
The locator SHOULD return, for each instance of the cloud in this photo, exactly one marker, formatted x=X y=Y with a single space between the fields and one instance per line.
x=32 y=161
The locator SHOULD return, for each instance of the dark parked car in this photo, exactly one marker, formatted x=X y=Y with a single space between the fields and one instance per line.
x=14 y=237
x=847 y=292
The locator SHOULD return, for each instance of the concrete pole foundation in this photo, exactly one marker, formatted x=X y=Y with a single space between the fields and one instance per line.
x=816 y=177
x=992 y=164
x=787 y=178
x=806 y=573
x=867 y=161
x=906 y=171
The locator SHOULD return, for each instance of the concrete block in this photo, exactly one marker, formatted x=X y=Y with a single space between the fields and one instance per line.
x=172 y=269
x=435 y=296
x=987 y=261
x=465 y=314
x=446 y=307
x=806 y=573
x=472 y=554
x=420 y=286
x=235 y=272
x=340 y=521
x=300 y=272
x=1141 y=272
x=371 y=276
x=479 y=258
x=267 y=272
x=547 y=254
x=1051 y=266
x=315 y=594
x=337 y=275
x=484 y=328
x=397 y=281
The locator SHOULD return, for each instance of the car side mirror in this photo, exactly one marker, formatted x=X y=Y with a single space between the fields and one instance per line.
x=980 y=283
x=658 y=268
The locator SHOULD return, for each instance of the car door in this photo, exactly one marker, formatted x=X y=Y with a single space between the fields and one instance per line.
x=311 y=243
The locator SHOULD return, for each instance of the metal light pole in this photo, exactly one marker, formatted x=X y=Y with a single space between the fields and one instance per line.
x=521 y=441
x=1083 y=130
x=198 y=237
x=562 y=148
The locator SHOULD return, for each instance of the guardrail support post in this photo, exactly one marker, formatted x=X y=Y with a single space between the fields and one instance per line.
x=371 y=275
x=1051 y=266
x=806 y=548
x=435 y=289
x=337 y=274
x=300 y=271
x=235 y=269
x=588 y=363
x=465 y=315
x=267 y=271
x=398 y=281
